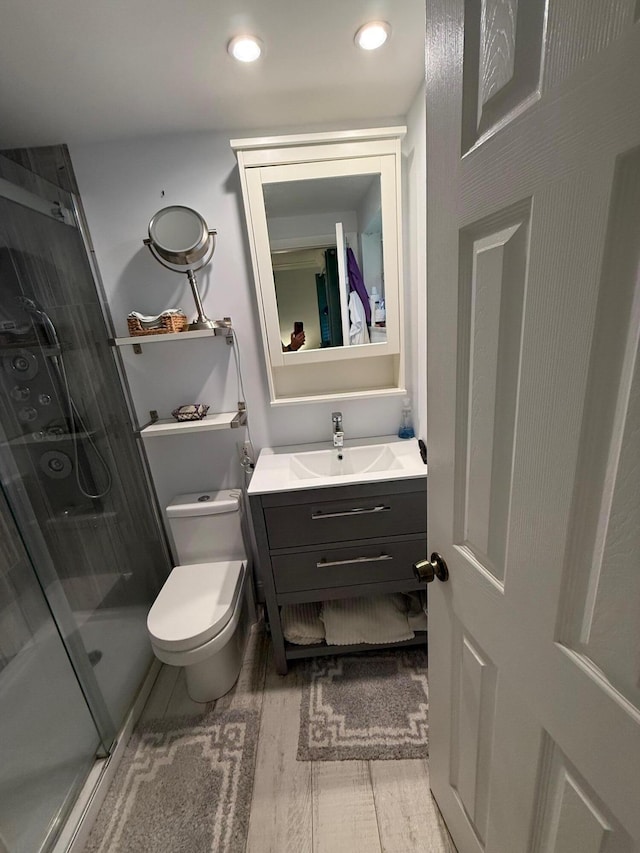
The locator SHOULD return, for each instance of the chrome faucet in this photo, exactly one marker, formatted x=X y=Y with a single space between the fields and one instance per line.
x=338 y=434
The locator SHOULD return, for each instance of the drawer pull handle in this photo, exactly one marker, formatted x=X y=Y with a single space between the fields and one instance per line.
x=324 y=563
x=360 y=510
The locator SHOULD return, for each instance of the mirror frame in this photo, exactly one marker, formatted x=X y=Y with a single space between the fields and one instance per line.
x=374 y=369
x=190 y=255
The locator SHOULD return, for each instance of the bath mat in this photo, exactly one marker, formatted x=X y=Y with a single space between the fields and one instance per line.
x=369 y=706
x=184 y=785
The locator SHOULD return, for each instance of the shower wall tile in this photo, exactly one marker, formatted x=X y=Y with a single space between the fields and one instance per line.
x=51 y=162
x=22 y=177
x=10 y=545
x=19 y=617
x=49 y=265
x=108 y=552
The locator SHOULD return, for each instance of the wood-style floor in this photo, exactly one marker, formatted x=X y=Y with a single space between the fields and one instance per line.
x=314 y=806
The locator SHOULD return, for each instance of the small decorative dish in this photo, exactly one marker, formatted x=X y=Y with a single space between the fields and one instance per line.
x=190 y=412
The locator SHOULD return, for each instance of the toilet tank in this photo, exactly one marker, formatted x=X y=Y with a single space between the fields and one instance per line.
x=206 y=526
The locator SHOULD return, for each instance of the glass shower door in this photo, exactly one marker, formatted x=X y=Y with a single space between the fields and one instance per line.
x=48 y=738
x=81 y=555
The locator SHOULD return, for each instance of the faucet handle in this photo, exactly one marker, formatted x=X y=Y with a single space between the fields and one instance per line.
x=338 y=435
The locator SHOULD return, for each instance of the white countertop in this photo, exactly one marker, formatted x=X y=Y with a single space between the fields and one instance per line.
x=276 y=466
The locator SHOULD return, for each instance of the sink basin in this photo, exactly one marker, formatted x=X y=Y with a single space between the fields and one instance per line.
x=313 y=466
x=355 y=460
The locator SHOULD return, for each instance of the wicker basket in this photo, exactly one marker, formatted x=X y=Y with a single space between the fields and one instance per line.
x=168 y=323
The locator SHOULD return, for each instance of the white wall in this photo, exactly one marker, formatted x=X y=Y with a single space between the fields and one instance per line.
x=372 y=264
x=122 y=184
x=415 y=273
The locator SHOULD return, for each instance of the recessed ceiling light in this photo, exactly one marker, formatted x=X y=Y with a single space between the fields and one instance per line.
x=245 y=48
x=373 y=35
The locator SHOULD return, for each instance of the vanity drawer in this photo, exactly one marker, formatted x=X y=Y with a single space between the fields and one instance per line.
x=336 y=567
x=342 y=520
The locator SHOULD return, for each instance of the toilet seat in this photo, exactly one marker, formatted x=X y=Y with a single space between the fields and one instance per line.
x=195 y=604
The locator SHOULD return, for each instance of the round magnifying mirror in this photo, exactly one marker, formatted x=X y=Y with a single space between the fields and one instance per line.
x=179 y=235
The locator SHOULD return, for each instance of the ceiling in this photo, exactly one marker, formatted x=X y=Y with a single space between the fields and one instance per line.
x=78 y=71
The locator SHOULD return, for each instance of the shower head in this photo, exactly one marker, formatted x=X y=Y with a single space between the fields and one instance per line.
x=29 y=305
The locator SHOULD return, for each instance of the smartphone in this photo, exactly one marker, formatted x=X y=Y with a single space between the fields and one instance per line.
x=298 y=326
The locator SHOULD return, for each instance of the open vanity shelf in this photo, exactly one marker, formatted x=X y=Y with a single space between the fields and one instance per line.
x=317 y=650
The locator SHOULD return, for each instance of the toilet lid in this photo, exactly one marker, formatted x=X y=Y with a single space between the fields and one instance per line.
x=195 y=604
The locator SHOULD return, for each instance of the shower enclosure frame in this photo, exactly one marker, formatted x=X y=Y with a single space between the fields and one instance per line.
x=27 y=523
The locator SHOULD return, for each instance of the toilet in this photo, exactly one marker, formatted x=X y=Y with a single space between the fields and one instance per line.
x=201 y=617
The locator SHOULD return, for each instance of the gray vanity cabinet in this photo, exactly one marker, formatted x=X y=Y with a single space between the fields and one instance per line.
x=337 y=542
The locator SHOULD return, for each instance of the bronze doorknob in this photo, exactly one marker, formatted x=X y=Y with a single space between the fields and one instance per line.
x=426 y=570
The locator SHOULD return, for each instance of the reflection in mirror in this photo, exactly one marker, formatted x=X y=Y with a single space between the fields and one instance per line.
x=306 y=282
x=325 y=236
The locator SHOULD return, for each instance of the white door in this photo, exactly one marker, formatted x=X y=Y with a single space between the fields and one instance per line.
x=343 y=284
x=533 y=173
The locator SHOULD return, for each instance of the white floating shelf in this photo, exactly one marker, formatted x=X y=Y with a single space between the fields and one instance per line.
x=143 y=340
x=169 y=426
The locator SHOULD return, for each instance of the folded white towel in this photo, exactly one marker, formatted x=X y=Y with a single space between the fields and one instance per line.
x=375 y=619
x=301 y=623
x=417 y=610
x=418 y=621
x=150 y=318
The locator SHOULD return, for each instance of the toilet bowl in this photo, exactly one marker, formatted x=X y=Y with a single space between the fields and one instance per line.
x=201 y=617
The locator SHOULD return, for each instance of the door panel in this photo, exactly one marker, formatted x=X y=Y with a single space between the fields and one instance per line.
x=578 y=37
x=502 y=63
x=534 y=423
x=474 y=714
x=493 y=263
x=572 y=817
x=605 y=526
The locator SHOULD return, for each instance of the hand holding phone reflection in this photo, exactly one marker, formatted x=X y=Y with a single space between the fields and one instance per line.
x=298 y=337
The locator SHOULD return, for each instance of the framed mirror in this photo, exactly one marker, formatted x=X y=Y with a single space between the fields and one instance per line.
x=324 y=224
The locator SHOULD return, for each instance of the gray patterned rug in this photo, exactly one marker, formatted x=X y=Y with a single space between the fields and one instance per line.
x=369 y=706
x=183 y=785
